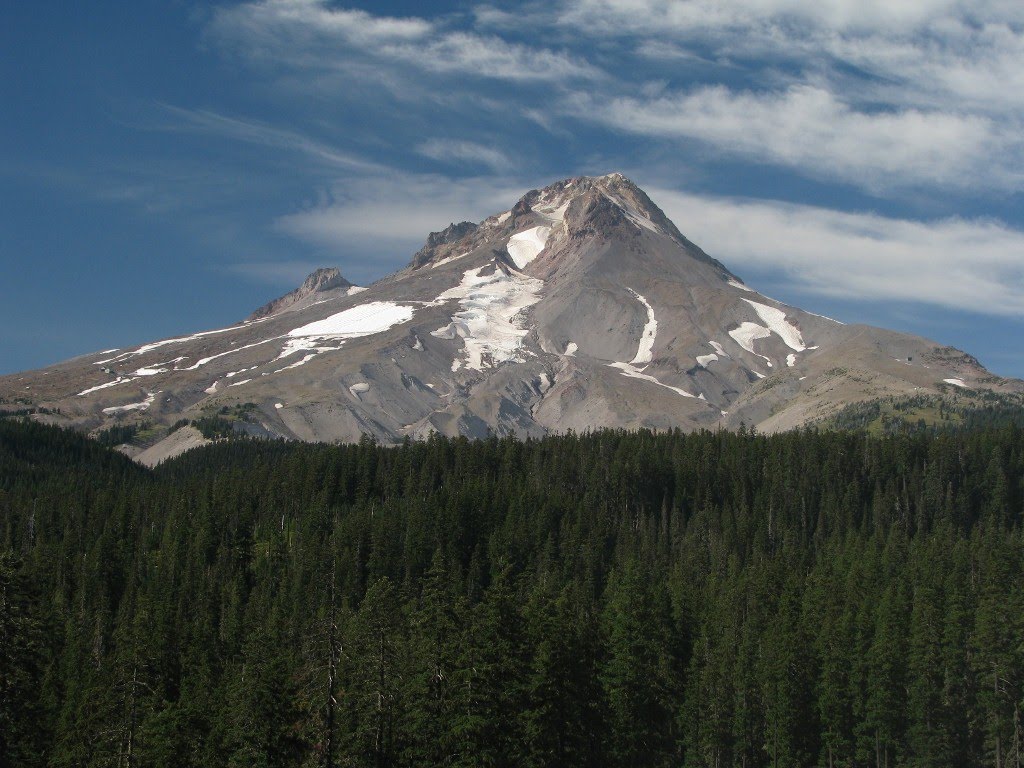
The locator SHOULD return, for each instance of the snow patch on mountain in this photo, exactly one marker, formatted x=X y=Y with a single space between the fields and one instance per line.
x=741 y=286
x=776 y=320
x=747 y=333
x=634 y=215
x=490 y=322
x=303 y=360
x=114 y=383
x=179 y=340
x=448 y=260
x=956 y=382
x=628 y=369
x=153 y=370
x=704 y=360
x=525 y=246
x=361 y=320
x=203 y=361
x=144 y=405
x=645 y=352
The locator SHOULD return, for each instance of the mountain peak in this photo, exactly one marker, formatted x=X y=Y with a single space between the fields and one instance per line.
x=581 y=207
x=319 y=281
x=437 y=242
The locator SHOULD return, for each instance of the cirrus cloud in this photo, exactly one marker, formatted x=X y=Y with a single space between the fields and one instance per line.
x=974 y=265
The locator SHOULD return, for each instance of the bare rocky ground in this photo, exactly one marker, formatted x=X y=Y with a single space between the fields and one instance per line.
x=579 y=308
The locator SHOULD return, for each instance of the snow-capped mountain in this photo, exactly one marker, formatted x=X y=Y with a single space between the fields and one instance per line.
x=581 y=307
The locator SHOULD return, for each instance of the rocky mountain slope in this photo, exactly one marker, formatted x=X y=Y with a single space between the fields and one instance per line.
x=581 y=307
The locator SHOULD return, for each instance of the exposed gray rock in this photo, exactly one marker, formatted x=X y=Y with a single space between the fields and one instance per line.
x=322 y=280
x=580 y=307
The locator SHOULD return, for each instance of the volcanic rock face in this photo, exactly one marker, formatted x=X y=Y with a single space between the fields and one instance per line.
x=320 y=282
x=581 y=307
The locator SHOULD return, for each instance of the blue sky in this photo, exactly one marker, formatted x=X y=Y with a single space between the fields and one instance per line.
x=169 y=166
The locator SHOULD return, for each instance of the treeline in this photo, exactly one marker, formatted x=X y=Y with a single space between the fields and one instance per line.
x=953 y=410
x=612 y=599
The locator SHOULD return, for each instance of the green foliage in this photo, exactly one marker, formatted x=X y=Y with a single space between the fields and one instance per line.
x=118 y=434
x=954 y=410
x=612 y=599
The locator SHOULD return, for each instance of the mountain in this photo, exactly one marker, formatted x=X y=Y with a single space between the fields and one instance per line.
x=582 y=306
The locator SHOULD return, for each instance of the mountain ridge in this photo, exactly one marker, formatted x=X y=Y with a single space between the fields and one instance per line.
x=581 y=306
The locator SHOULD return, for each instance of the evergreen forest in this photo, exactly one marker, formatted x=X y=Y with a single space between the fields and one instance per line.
x=712 y=600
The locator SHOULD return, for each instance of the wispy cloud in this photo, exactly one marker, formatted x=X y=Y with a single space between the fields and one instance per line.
x=922 y=93
x=393 y=215
x=810 y=130
x=615 y=17
x=893 y=98
x=464 y=152
x=259 y=133
x=311 y=35
x=275 y=273
x=959 y=264
x=887 y=96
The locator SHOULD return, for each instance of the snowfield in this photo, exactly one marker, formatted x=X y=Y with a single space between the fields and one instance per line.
x=490 y=322
x=747 y=333
x=776 y=320
x=362 y=320
x=526 y=246
x=330 y=334
x=645 y=352
x=745 y=336
x=144 y=405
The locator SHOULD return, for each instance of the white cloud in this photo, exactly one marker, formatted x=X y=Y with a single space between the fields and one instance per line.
x=954 y=263
x=615 y=17
x=929 y=92
x=309 y=34
x=268 y=25
x=277 y=273
x=889 y=96
x=452 y=150
x=255 y=132
x=490 y=56
x=956 y=65
x=810 y=130
x=396 y=213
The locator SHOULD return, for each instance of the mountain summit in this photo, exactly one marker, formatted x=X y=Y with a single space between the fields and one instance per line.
x=582 y=306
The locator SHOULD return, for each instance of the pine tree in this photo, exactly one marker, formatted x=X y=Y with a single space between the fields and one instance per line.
x=22 y=722
x=639 y=676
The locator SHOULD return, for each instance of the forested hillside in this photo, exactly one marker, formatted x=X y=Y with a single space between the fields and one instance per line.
x=612 y=599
